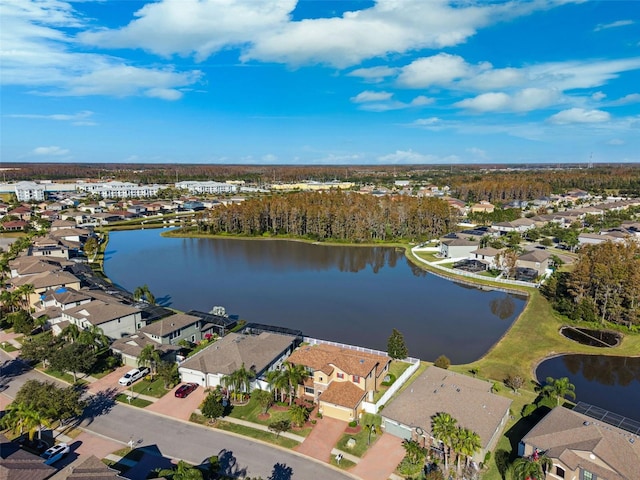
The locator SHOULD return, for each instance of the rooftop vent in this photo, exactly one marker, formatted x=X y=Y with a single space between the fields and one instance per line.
x=586 y=423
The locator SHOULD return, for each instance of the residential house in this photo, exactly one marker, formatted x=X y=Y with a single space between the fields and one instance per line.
x=492 y=257
x=87 y=467
x=31 y=265
x=456 y=247
x=48 y=247
x=586 y=238
x=171 y=330
x=518 y=225
x=259 y=353
x=114 y=319
x=340 y=379
x=46 y=281
x=54 y=302
x=482 y=207
x=22 y=212
x=214 y=324
x=130 y=347
x=537 y=260
x=583 y=448
x=18 y=464
x=469 y=400
x=14 y=225
x=62 y=224
x=29 y=191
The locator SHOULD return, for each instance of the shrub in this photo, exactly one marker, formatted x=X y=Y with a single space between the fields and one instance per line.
x=442 y=362
x=387 y=383
x=353 y=424
x=528 y=409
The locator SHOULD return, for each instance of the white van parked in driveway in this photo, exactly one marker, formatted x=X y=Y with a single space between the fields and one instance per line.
x=133 y=375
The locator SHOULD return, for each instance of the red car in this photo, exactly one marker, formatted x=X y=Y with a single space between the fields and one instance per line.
x=186 y=389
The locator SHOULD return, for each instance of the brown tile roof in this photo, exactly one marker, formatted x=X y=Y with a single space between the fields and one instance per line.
x=87 y=468
x=466 y=399
x=325 y=357
x=167 y=325
x=46 y=280
x=535 y=256
x=133 y=345
x=229 y=353
x=571 y=436
x=97 y=312
x=345 y=394
x=18 y=464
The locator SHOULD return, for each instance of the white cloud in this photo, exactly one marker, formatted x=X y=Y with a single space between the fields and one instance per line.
x=80 y=118
x=370 y=96
x=373 y=74
x=478 y=152
x=37 y=53
x=616 y=141
x=269 y=158
x=440 y=69
x=52 y=151
x=619 y=23
x=627 y=99
x=524 y=100
x=579 y=115
x=265 y=31
x=421 y=100
x=409 y=156
x=599 y=96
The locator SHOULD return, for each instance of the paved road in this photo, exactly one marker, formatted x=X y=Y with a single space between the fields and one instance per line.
x=178 y=439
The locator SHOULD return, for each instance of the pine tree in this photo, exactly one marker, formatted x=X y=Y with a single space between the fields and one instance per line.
x=396 y=348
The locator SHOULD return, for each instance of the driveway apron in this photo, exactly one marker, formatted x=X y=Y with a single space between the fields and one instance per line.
x=322 y=439
x=381 y=459
x=181 y=408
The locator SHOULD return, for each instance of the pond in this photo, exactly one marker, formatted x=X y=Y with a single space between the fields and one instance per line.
x=354 y=295
x=612 y=383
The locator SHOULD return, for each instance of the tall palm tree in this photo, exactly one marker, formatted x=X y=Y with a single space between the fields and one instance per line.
x=10 y=300
x=182 y=471
x=149 y=357
x=467 y=443
x=239 y=381
x=21 y=417
x=70 y=333
x=295 y=374
x=443 y=428
x=278 y=381
x=559 y=388
x=25 y=292
x=95 y=337
x=530 y=469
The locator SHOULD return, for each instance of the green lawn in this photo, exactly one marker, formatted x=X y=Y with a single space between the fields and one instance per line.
x=396 y=369
x=8 y=347
x=361 y=446
x=154 y=388
x=136 y=402
x=64 y=376
x=257 y=434
x=252 y=410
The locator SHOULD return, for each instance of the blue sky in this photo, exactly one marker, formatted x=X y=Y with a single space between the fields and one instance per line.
x=320 y=81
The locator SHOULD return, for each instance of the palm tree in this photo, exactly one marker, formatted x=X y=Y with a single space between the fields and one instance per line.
x=94 y=336
x=10 y=300
x=467 y=444
x=149 y=357
x=182 y=471
x=239 y=381
x=298 y=414
x=295 y=374
x=443 y=428
x=413 y=451
x=70 y=333
x=25 y=292
x=559 y=388
x=278 y=381
x=21 y=417
x=530 y=469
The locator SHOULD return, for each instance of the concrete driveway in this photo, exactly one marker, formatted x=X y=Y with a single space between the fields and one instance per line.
x=180 y=408
x=322 y=439
x=109 y=382
x=381 y=459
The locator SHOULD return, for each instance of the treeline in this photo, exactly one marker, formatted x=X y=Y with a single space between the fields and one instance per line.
x=603 y=287
x=335 y=215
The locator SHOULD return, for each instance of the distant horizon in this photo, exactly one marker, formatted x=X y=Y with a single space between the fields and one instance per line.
x=320 y=82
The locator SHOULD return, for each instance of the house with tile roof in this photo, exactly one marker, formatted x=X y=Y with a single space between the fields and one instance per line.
x=492 y=257
x=583 y=448
x=469 y=400
x=537 y=260
x=340 y=379
x=259 y=353
x=18 y=464
x=115 y=319
x=46 y=281
x=174 y=328
x=87 y=467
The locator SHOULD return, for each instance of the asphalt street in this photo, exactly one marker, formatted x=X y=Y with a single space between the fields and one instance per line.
x=193 y=443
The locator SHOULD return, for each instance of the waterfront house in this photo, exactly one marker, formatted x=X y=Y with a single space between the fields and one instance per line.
x=469 y=400
x=115 y=319
x=46 y=281
x=130 y=347
x=340 y=378
x=583 y=448
x=537 y=260
x=214 y=324
x=492 y=257
x=174 y=328
x=258 y=352
x=18 y=464
x=456 y=247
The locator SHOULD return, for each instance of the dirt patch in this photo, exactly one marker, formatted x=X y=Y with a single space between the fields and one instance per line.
x=264 y=416
x=353 y=430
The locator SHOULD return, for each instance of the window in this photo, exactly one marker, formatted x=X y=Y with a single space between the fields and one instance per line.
x=559 y=471
x=340 y=375
x=586 y=475
x=308 y=390
x=356 y=379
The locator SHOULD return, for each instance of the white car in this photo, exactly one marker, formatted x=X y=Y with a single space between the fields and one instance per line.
x=55 y=453
x=133 y=375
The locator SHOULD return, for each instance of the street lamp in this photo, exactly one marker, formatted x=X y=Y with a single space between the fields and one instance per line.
x=371 y=428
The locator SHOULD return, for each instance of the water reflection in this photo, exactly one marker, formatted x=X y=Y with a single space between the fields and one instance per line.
x=612 y=383
x=354 y=295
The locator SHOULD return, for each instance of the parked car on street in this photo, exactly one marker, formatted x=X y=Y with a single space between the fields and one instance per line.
x=55 y=453
x=186 y=389
x=133 y=375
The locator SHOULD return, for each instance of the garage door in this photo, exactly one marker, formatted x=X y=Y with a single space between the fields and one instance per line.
x=334 y=411
x=395 y=428
x=187 y=375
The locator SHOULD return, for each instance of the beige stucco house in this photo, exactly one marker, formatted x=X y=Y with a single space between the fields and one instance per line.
x=340 y=379
x=582 y=448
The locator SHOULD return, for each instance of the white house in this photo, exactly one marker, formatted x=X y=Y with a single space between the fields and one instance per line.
x=29 y=191
x=115 y=319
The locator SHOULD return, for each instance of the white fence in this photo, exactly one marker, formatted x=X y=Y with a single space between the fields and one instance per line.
x=370 y=407
x=462 y=273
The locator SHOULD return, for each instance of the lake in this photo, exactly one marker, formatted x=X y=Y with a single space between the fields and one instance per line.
x=354 y=295
x=612 y=383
